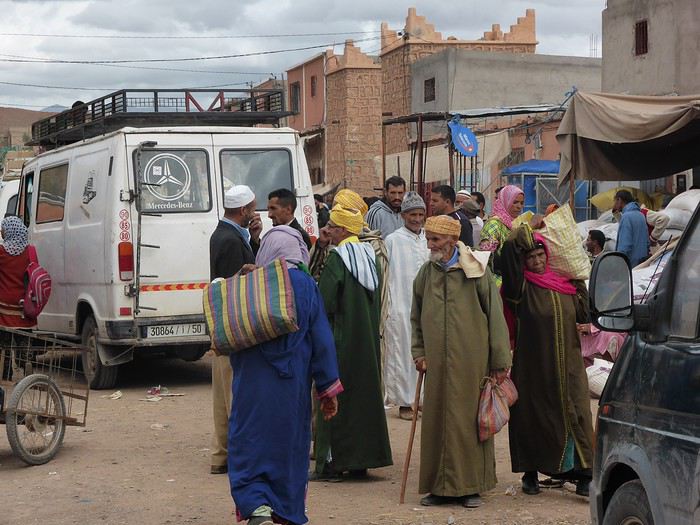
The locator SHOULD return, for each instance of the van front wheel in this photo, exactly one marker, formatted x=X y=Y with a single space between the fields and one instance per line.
x=98 y=375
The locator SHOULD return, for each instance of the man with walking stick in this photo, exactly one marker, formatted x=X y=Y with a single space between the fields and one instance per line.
x=459 y=337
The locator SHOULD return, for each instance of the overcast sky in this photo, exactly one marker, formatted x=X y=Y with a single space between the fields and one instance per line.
x=563 y=28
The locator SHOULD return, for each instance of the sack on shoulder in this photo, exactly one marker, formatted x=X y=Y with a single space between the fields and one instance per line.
x=246 y=310
x=37 y=286
x=494 y=403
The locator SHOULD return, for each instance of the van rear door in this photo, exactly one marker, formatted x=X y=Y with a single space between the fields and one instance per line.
x=176 y=204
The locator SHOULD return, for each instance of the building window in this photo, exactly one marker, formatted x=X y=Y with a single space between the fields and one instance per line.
x=313 y=86
x=429 y=90
x=295 y=96
x=641 y=38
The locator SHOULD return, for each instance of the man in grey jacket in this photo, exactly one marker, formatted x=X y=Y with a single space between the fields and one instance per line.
x=385 y=214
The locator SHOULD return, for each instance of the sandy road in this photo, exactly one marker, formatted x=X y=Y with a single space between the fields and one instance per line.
x=147 y=463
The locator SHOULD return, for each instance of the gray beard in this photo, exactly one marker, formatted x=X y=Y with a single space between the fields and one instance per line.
x=435 y=257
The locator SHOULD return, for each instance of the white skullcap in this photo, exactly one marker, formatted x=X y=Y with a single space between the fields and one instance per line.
x=238 y=196
x=464 y=192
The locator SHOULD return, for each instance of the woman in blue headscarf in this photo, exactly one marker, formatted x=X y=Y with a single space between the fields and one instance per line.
x=14 y=259
x=270 y=424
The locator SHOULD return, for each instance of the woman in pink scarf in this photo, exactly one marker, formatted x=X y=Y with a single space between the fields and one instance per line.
x=550 y=425
x=507 y=206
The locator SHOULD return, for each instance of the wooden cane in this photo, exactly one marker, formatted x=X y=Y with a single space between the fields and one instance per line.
x=407 y=461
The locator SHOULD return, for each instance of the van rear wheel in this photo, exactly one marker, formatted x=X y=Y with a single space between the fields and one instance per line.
x=98 y=375
x=629 y=506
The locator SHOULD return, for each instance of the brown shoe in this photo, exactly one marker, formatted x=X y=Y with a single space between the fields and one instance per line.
x=406 y=413
x=219 y=469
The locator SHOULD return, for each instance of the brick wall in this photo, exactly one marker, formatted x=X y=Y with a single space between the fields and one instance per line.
x=354 y=132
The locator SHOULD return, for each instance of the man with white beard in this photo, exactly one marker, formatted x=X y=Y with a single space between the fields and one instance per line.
x=407 y=251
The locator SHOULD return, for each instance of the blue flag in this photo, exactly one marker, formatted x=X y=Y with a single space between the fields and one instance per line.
x=463 y=139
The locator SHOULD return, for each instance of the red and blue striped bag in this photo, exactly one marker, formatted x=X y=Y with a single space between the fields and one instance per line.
x=246 y=310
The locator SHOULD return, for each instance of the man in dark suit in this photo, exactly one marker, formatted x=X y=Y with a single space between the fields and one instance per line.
x=281 y=205
x=232 y=247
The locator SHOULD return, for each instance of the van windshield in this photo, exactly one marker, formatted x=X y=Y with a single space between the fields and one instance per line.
x=263 y=170
x=174 y=180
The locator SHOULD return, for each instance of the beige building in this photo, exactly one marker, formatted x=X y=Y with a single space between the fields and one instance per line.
x=341 y=118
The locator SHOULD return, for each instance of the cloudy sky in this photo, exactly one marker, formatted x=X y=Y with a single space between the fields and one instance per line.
x=563 y=28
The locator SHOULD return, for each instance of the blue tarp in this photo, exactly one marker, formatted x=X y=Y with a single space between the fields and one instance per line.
x=542 y=167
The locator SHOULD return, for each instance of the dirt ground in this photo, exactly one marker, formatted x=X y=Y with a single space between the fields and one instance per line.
x=148 y=463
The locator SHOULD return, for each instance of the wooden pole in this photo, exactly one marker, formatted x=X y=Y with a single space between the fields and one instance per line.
x=407 y=461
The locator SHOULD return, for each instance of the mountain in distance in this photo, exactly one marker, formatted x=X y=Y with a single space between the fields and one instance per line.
x=56 y=108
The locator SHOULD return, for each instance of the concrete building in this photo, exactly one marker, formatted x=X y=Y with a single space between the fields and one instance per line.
x=461 y=79
x=418 y=40
x=340 y=100
x=651 y=47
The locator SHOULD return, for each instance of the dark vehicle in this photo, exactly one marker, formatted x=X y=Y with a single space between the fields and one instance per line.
x=647 y=460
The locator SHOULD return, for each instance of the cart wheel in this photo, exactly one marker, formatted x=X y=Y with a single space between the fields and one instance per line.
x=35 y=419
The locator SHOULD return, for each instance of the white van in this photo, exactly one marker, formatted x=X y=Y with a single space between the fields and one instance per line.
x=122 y=223
x=8 y=196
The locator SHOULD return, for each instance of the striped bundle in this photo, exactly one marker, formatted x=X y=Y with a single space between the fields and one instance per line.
x=246 y=310
x=494 y=403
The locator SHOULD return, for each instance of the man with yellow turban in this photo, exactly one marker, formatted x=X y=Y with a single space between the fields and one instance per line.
x=357 y=439
x=459 y=337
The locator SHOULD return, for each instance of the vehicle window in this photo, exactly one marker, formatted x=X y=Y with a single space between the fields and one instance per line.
x=263 y=170
x=175 y=181
x=52 y=194
x=11 y=206
x=686 y=297
x=25 y=198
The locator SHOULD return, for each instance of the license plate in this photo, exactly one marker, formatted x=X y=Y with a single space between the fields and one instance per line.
x=174 y=330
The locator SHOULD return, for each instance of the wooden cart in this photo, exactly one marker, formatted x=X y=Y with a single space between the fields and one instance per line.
x=42 y=391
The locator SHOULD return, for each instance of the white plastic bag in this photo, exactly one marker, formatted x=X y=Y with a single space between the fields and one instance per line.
x=598 y=374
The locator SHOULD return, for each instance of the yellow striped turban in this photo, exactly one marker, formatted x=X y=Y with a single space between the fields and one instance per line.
x=346 y=218
x=351 y=200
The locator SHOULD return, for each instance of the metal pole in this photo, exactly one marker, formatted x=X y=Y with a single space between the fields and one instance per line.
x=383 y=154
x=419 y=163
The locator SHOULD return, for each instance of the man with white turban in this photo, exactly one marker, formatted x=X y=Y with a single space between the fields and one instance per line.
x=357 y=439
x=232 y=246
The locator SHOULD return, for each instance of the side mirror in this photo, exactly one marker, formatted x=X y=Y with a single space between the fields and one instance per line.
x=611 y=293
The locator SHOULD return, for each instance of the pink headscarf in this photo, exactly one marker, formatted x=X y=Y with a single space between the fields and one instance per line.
x=549 y=279
x=506 y=198
x=282 y=241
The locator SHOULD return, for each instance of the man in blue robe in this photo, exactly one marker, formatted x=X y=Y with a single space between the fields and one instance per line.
x=270 y=424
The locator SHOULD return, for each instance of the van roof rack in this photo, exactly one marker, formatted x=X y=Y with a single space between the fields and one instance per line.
x=160 y=107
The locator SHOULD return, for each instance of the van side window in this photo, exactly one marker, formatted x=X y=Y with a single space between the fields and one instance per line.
x=11 y=206
x=175 y=181
x=25 y=197
x=686 y=296
x=52 y=194
x=263 y=170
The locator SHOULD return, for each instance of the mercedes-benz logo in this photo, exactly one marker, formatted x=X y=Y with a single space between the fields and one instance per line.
x=167 y=177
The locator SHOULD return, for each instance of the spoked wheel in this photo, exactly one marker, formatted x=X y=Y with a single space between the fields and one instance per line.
x=35 y=419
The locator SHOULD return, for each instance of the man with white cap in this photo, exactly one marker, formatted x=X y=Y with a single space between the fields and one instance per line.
x=462 y=195
x=408 y=251
x=232 y=246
